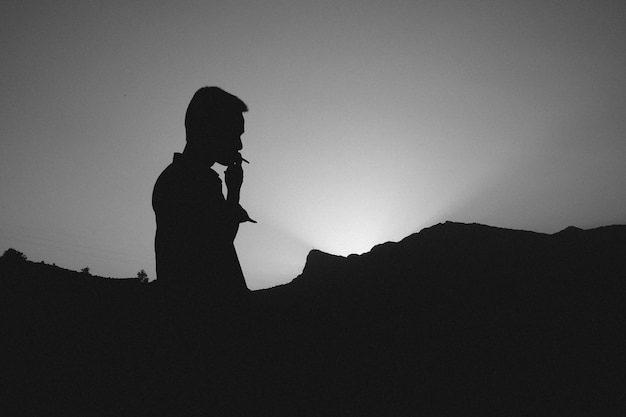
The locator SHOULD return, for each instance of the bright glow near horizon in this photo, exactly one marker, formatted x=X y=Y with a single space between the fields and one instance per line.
x=368 y=121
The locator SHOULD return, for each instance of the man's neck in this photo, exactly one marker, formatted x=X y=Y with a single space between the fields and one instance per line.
x=197 y=159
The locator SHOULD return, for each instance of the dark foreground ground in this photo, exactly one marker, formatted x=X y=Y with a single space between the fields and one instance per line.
x=457 y=320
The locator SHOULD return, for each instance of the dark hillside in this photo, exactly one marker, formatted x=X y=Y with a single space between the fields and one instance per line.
x=456 y=320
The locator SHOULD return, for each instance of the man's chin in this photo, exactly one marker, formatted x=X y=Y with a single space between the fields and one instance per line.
x=225 y=161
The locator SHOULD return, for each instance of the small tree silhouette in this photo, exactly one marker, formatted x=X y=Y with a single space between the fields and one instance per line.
x=86 y=271
x=12 y=255
x=142 y=276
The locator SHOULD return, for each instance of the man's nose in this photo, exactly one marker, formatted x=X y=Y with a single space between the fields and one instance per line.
x=239 y=144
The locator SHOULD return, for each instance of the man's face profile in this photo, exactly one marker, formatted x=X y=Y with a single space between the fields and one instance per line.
x=220 y=142
x=228 y=140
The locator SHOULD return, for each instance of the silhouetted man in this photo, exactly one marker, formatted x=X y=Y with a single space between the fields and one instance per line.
x=196 y=225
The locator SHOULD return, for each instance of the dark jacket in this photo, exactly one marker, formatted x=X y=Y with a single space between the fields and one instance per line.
x=196 y=227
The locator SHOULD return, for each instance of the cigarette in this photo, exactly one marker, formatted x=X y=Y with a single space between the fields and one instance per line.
x=244 y=160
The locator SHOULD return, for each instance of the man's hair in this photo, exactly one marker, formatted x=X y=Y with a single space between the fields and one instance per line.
x=210 y=110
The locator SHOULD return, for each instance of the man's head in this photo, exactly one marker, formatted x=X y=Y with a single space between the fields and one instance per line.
x=214 y=124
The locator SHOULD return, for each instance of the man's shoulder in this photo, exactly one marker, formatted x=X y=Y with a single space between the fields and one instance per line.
x=168 y=174
x=169 y=180
x=180 y=180
x=172 y=172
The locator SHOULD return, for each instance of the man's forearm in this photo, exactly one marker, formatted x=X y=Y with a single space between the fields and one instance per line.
x=233 y=196
x=233 y=232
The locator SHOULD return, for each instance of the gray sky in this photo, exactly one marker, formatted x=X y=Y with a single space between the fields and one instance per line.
x=368 y=121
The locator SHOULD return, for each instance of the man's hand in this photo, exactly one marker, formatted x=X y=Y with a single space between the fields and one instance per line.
x=234 y=178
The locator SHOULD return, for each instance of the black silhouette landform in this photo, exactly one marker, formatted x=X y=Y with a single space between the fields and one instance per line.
x=456 y=320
